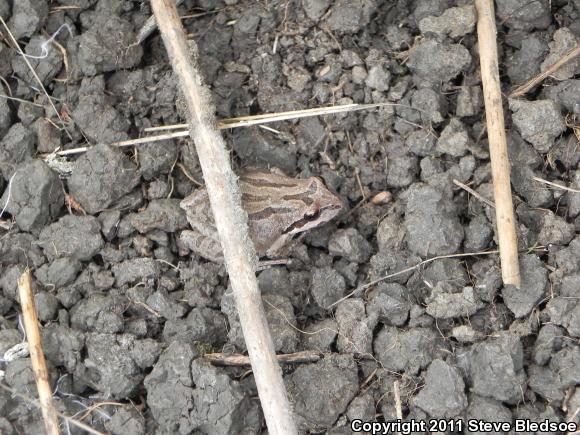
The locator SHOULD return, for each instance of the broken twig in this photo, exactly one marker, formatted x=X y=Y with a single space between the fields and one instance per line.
x=224 y=359
x=500 y=167
x=535 y=81
x=49 y=414
x=230 y=219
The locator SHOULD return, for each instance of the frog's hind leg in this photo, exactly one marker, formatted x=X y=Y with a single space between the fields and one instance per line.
x=202 y=245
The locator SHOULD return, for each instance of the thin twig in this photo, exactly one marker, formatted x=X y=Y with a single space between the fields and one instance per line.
x=406 y=270
x=569 y=56
x=398 y=404
x=246 y=121
x=34 y=402
x=224 y=359
x=36 y=355
x=474 y=193
x=559 y=186
x=227 y=123
x=17 y=46
x=500 y=167
x=229 y=217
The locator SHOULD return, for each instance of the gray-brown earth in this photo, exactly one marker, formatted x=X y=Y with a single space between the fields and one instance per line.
x=125 y=318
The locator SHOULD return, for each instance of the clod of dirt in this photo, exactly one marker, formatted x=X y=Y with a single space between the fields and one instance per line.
x=533 y=287
x=378 y=78
x=454 y=22
x=95 y=114
x=35 y=195
x=496 y=368
x=549 y=341
x=469 y=101
x=259 y=149
x=564 y=41
x=134 y=270
x=443 y=304
x=539 y=122
x=488 y=410
x=5 y=117
x=546 y=383
x=97 y=312
x=320 y=335
x=75 y=236
x=281 y=319
x=478 y=234
x=126 y=421
x=156 y=158
x=46 y=68
x=111 y=367
x=408 y=351
x=443 y=395
x=434 y=62
x=5 y=10
x=454 y=139
x=163 y=214
x=315 y=9
x=362 y=408
x=335 y=378
x=202 y=325
x=100 y=177
x=165 y=305
x=106 y=45
x=567 y=93
x=169 y=388
x=27 y=17
x=46 y=306
x=355 y=327
x=62 y=345
x=9 y=338
x=349 y=16
x=525 y=62
x=555 y=230
x=20 y=248
x=328 y=286
x=564 y=310
x=389 y=302
x=220 y=405
x=431 y=222
x=350 y=244
x=16 y=146
x=523 y=15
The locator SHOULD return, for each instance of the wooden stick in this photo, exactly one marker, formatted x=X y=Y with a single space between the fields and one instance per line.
x=500 y=167
x=32 y=329
x=532 y=83
x=224 y=359
x=230 y=219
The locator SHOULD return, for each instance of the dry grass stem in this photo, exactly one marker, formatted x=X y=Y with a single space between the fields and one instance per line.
x=224 y=359
x=229 y=123
x=474 y=193
x=33 y=337
x=500 y=167
x=406 y=270
x=34 y=402
x=246 y=121
x=558 y=186
x=526 y=87
x=17 y=46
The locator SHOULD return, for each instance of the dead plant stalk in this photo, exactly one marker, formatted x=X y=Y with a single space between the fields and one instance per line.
x=32 y=329
x=500 y=168
x=230 y=219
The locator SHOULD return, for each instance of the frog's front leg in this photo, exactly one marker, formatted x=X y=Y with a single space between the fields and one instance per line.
x=207 y=247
